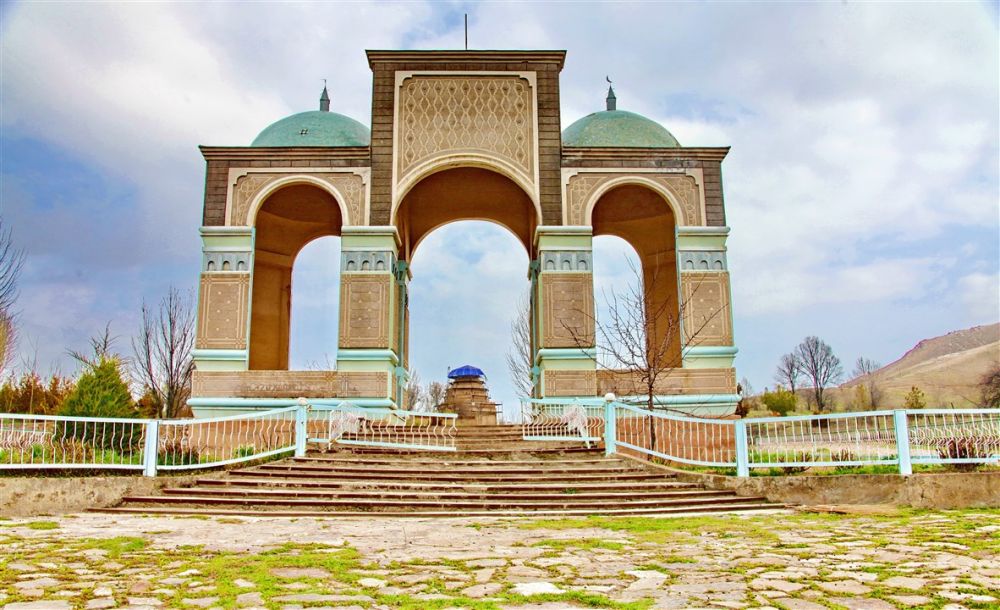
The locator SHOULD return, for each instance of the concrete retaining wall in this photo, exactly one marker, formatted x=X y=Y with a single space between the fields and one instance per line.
x=925 y=490
x=49 y=495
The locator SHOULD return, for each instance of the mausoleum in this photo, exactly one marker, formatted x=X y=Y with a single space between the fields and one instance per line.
x=458 y=135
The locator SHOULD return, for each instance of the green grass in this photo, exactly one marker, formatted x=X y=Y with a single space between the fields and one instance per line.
x=116 y=546
x=661 y=530
x=42 y=525
x=580 y=543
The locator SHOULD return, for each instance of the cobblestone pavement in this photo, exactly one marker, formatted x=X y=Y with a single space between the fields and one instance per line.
x=800 y=561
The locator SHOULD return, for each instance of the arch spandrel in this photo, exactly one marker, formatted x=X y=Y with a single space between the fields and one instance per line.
x=250 y=190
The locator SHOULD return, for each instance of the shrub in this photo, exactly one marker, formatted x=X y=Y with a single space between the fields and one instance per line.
x=101 y=392
x=244 y=451
x=29 y=394
x=915 y=399
x=967 y=447
x=780 y=401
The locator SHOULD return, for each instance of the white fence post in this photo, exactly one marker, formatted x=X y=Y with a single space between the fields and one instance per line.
x=902 y=442
x=610 y=427
x=301 y=427
x=151 y=447
x=742 y=450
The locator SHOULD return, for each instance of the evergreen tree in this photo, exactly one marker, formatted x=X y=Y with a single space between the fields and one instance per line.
x=101 y=392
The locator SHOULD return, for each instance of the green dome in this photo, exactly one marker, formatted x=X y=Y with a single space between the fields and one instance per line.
x=618 y=128
x=314 y=128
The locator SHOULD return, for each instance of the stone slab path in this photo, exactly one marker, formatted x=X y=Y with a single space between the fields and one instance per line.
x=797 y=561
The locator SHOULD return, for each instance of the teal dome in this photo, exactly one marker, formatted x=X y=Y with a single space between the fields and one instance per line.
x=618 y=128
x=314 y=128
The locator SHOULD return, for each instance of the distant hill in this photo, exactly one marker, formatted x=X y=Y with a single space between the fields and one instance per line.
x=947 y=368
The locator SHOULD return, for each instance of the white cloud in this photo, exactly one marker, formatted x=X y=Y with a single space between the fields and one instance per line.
x=980 y=293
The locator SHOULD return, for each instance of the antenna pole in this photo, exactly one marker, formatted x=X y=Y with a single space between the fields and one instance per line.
x=466 y=31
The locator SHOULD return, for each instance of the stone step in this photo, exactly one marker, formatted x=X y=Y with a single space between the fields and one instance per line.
x=469 y=495
x=443 y=458
x=526 y=447
x=444 y=467
x=566 y=503
x=756 y=507
x=425 y=476
x=361 y=483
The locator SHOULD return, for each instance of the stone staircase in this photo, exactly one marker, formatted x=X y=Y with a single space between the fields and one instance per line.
x=493 y=473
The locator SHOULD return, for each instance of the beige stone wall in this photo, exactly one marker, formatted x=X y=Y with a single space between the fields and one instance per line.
x=264 y=384
x=583 y=189
x=567 y=309
x=570 y=383
x=223 y=309
x=365 y=308
x=707 y=319
x=673 y=381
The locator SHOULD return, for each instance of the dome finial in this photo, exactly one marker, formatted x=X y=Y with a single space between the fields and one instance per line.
x=324 y=99
x=611 y=100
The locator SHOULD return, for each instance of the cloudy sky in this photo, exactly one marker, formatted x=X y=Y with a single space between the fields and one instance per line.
x=862 y=186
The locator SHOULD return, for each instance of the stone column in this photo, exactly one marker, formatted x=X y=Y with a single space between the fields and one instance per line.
x=372 y=316
x=707 y=322
x=223 y=315
x=563 y=312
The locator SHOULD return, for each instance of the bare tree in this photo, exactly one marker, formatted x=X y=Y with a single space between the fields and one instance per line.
x=820 y=365
x=864 y=371
x=789 y=372
x=163 y=363
x=413 y=392
x=519 y=362
x=11 y=264
x=642 y=336
x=435 y=394
x=101 y=348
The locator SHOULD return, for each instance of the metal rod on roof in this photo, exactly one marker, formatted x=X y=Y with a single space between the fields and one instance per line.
x=466 y=31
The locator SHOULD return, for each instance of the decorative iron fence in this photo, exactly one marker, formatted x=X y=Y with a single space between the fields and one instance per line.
x=48 y=441
x=901 y=438
x=349 y=424
x=555 y=419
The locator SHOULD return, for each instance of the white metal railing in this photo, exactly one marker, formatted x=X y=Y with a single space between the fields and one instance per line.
x=842 y=439
x=555 y=419
x=687 y=440
x=201 y=443
x=900 y=438
x=946 y=436
x=49 y=441
x=349 y=424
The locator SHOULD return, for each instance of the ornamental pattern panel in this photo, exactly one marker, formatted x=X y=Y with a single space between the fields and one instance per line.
x=580 y=190
x=362 y=385
x=491 y=115
x=707 y=319
x=567 y=309
x=223 y=311
x=671 y=381
x=264 y=384
x=364 y=310
x=570 y=383
x=350 y=185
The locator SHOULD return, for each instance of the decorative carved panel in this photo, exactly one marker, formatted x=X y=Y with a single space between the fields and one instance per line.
x=567 y=309
x=570 y=383
x=672 y=381
x=264 y=384
x=696 y=260
x=223 y=311
x=707 y=319
x=362 y=385
x=351 y=186
x=489 y=115
x=364 y=310
x=582 y=188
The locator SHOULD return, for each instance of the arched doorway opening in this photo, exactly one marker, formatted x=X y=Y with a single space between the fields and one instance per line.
x=645 y=220
x=315 y=305
x=286 y=221
x=470 y=275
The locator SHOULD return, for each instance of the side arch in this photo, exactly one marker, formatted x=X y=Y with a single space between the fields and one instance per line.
x=668 y=196
x=276 y=185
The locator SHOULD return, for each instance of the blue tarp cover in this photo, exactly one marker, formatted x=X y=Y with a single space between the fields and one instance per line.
x=465 y=371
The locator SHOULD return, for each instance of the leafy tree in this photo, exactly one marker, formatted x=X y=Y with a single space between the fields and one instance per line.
x=820 y=365
x=989 y=387
x=915 y=399
x=28 y=394
x=100 y=392
x=780 y=401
